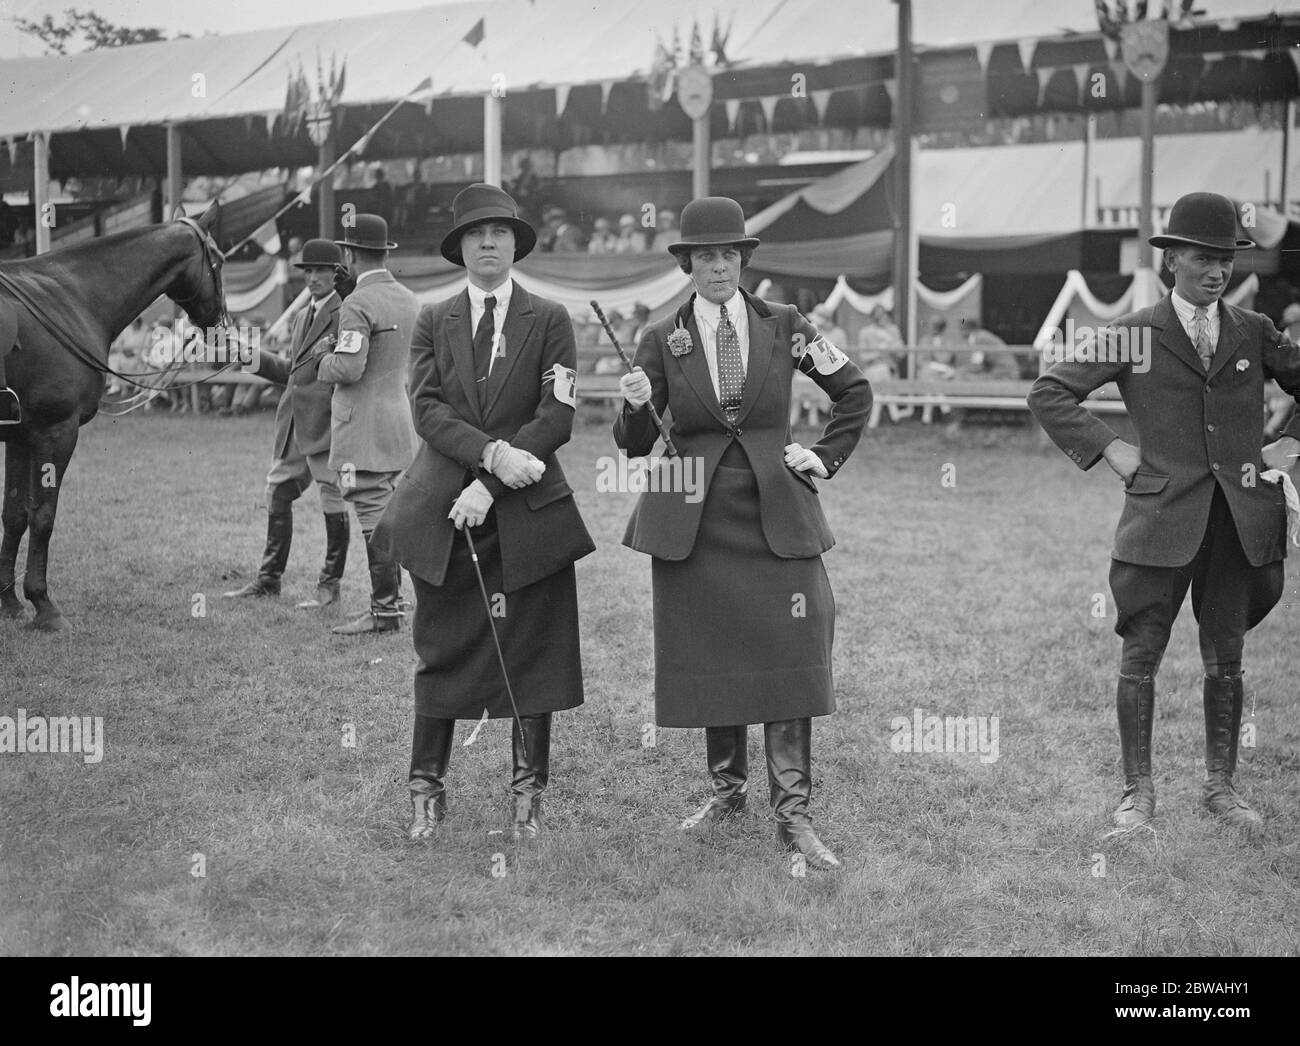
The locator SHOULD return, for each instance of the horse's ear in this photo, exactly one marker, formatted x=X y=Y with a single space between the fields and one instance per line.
x=210 y=216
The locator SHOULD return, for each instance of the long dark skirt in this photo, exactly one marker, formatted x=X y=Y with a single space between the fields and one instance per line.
x=741 y=635
x=459 y=675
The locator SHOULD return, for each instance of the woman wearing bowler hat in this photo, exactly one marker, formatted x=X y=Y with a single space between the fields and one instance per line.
x=744 y=617
x=492 y=395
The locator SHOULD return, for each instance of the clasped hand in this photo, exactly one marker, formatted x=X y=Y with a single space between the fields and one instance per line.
x=471 y=507
x=514 y=467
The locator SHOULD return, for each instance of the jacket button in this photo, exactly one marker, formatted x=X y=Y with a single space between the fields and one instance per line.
x=1209 y=428
x=1215 y=466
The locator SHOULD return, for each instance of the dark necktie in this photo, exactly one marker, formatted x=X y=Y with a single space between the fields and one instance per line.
x=483 y=347
x=731 y=374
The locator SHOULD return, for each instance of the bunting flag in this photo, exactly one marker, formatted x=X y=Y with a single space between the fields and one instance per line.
x=12 y=144
x=1120 y=71
x=124 y=130
x=1294 y=52
x=1081 y=79
x=1026 y=46
x=362 y=144
x=732 y=105
x=768 y=105
x=1044 y=77
x=605 y=87
x=1112 y=47
x=820 y=100
x=561 y=99
x=982 y=51
x=270 y=122
x=891 y=88
x=475 y=36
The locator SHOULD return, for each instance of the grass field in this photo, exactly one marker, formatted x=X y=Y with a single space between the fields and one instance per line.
x=225 y=733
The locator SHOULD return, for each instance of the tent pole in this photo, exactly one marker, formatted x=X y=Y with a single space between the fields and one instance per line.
x=492 y=138
x=903 y=138
x=1146 y=253
x=41 y=191
x=173 y=186
x=702 y=157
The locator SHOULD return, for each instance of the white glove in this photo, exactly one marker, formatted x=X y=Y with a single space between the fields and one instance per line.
x=803 y=460
x=514 y=467
x=635 y=388
x=472 y=506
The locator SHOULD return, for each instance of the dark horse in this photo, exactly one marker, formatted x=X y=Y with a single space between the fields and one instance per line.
x=59 y=313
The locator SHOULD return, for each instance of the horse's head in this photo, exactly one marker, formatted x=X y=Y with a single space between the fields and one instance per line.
x=197 y=288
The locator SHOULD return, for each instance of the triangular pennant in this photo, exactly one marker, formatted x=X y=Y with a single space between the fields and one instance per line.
x=124 y=130
x=982 y=51
x=475 y=36
x=12 y=143
x=1081 y=78
x=1044 y=76
x=1026 y=46
x=732 y=105
x=605 y=87
x=820 y=100
x=891 y=88
x=768 y=105
x=270 y=123
x=1121 y=75
x=1112 y=47
x=1294 y=52
x=561 y=99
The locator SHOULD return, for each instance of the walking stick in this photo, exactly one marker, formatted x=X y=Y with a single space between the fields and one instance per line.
x=487 y=603
x=654 y=414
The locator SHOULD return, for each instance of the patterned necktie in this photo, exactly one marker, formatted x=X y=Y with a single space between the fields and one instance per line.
x=483 y=346
x=1201 y=332
x=731 y=375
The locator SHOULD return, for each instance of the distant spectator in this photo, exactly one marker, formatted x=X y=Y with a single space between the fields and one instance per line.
x=993 y=366
x=603 y=239
x=631 y=237
x=666 y=231
x=640 y=321
x=381 y=195
x=561 y=235
x=525 y=188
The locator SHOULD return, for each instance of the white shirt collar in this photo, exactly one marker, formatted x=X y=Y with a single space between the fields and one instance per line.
x=1187 y=311
x=501 y=292
x=713 y=313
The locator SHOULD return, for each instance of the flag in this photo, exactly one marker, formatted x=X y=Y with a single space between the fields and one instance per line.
x=475 y=36
x=719 y=43
x=697 y=44
x=267 y=237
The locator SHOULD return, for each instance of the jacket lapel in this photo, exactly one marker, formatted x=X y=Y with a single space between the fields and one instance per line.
x=695 y=365
x=514 y=332
x=762 y=338
x=322 y=321
x=1172 y=335
x=460 y=337
x=1230 y=338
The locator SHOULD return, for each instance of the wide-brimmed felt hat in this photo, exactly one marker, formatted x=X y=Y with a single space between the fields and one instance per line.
x=480 y=203
x=369 y=232
x=1202 y=219
x=319 y=254
x=712 y=221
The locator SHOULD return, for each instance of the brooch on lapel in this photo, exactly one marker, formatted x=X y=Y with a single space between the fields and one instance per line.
x=329 y=339
x=1243 y=364
x=679 y=341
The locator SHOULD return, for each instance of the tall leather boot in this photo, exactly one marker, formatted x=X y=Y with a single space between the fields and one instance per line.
x=383 y=615
x=337 y=536
x=279 y=536
x=725 y=748
x=1135 y=700
x=532 y=773
x=430 y=753
x=1223 y=700
x=789 y=779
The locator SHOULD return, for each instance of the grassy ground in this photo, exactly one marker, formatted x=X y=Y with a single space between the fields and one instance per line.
x=225 y=747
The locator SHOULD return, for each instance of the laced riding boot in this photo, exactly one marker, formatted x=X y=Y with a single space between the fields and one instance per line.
x=1223 y=701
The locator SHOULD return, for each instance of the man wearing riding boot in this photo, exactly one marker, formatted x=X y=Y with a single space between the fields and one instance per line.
x=302 y=435
x=493 y=398
x=371 y=437
x=744 y=617
x=1202 y=508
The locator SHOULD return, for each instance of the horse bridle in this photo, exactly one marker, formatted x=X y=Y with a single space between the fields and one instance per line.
x=213 y=258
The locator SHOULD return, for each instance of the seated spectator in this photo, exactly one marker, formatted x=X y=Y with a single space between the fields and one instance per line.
x=603 y=240
x=631 y=237
x=666 y=231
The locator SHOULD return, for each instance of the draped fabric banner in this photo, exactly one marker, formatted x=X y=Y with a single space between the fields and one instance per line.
x=1077 y=302
x=249 y=284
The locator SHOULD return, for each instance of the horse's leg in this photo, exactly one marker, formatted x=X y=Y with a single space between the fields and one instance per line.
x=14 y=520
x=51 y=451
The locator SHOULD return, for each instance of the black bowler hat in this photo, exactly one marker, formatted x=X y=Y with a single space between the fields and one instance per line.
x=1202 y=219
x=369 y=232
x=319 y=254
x=479 y=203
x=712 y=221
